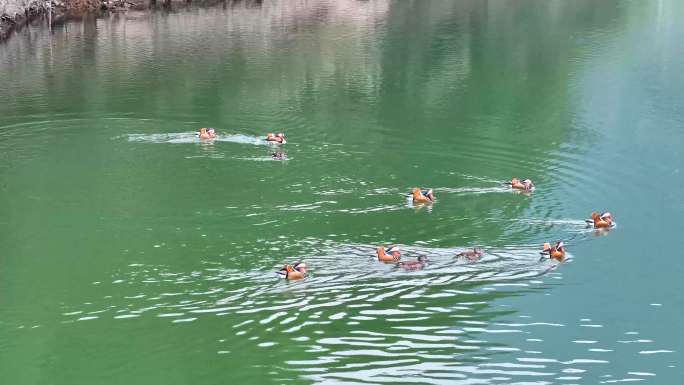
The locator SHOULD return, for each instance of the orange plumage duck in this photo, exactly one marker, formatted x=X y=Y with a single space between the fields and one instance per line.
x=391 y=254
x=422 y=196
x=206 y=133
x=277 y=138
x=602 y=221
x=292 y=272
x=556 y=252
x=524 y=184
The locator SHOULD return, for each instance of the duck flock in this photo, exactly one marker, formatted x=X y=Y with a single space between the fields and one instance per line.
x=392 y=254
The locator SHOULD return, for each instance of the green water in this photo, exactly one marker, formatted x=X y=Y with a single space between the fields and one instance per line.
x=130 y=253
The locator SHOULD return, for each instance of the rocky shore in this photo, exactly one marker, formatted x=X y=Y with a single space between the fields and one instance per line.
x=15 y=14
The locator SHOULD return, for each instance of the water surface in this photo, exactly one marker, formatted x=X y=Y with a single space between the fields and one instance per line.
x=132 y=253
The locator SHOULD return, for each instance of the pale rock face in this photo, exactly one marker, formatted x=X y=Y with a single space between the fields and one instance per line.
x=13 y=13
x=12 y=7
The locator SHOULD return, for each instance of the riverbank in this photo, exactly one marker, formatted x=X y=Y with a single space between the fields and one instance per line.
x=16 y=14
